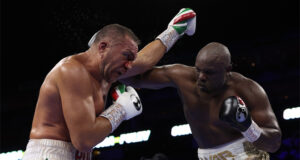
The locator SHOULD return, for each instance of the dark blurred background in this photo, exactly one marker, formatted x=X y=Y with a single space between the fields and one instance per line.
x=263 y=37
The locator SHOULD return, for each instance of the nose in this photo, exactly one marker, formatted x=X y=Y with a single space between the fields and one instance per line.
x=128 y=65
x=202 y=77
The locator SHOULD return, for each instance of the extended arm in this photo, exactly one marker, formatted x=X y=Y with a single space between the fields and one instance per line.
x=183 y=23
x=159 y=77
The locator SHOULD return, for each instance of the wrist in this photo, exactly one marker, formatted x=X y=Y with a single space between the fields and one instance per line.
x=253 y=132
x=115 y=114
x=168 y=37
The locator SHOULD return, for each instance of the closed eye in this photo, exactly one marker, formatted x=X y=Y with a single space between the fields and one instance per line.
x=129 y=56
x=209 y=72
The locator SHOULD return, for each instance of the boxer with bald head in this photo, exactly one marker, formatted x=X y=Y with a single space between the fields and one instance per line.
x=229 y=114
x=70 y=118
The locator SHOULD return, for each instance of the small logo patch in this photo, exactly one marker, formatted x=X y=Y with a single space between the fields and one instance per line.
x=136 y=102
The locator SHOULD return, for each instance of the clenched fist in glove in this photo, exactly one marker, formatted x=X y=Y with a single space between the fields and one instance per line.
x=235 y=112
x=127 y=104
x=183 y=22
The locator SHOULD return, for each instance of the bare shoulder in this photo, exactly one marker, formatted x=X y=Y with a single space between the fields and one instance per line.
x=70 y=65
x=69 y=69
x=239 y=79
x=244 y=84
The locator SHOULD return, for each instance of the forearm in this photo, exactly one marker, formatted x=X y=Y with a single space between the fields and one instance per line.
x=146 y=59
x=150 y=54
x=263 y=137
x=269 y=140
x=126 y=105
x=183 y=23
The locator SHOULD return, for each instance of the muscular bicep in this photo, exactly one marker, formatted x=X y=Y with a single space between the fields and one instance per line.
x=156 y=78
x=76 y=100
x=258 y=103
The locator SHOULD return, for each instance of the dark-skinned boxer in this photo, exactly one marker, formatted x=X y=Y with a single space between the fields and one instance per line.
x=229 y=114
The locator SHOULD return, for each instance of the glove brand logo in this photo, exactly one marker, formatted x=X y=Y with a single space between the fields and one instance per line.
x=241 y=113
x=136 y=102
x=241 y=101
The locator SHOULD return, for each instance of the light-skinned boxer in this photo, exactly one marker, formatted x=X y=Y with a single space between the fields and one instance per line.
x=69 y=118
x=229 y=114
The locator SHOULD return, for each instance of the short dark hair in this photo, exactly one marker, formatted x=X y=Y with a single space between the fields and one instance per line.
x=116 y=32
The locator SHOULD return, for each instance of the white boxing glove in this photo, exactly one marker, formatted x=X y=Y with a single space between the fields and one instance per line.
x=183 y=22
x=131 y=102
x=127 y=105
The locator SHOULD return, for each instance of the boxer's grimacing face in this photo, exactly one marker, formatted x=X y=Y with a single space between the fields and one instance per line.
x=211 y=74
x=119 y=58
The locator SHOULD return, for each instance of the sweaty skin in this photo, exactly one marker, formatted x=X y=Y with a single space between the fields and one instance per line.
x=204 y=87
x=74 y=92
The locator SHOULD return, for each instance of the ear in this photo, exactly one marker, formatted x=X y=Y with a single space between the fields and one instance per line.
x=102 y=46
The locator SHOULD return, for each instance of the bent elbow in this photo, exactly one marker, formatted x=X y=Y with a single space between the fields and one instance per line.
x=82 y=146
x=269 y=142
x=275 y=148
x=277 y=143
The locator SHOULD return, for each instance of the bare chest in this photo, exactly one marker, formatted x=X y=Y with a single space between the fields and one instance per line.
x=198 y=109
x=202 y=107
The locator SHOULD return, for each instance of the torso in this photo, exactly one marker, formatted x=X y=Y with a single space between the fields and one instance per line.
x=201 y=111
x=48 y=121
